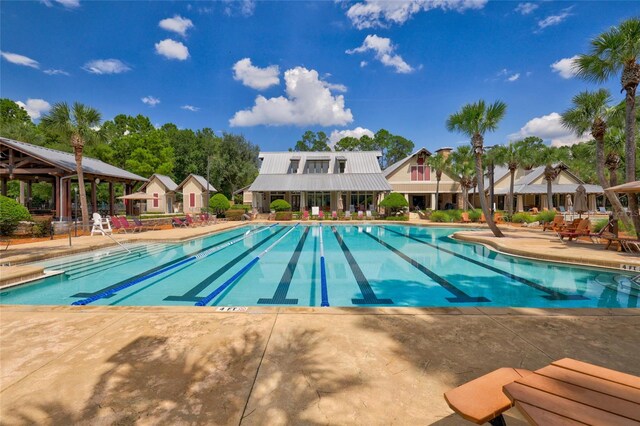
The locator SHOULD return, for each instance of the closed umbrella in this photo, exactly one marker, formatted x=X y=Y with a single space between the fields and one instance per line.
x=340 y=206
x=580 y=206
x=569 y=203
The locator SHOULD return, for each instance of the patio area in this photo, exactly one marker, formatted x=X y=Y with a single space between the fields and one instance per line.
x=93 y=365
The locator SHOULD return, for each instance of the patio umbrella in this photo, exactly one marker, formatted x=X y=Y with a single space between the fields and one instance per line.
x=340 y=206
x=629 y=187
x=580 y=205
x=569 y=203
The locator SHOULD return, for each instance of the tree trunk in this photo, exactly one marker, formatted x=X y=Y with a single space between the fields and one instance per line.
x=613 y=176
x=437 y=193
x=81 y=189
x=618 y=211
x=511 y=185
x=483 y=200
x=549 y=193
x=630 y=160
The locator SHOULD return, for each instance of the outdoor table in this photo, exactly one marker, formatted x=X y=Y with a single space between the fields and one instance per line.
x=570 y=392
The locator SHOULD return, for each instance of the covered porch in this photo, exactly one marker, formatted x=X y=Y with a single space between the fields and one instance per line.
x=53 y=174
x=327 y=201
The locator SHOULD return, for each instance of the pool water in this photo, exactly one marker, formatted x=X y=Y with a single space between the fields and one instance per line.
x=342 y=265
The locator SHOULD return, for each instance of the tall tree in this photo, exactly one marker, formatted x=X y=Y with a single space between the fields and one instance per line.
x=15 y=123
x=590 y=112
x=509 y=156
x=75 y=125
x=348 y=143
x=474 y=120
x=461 y=167
x=439 y=163
x=311 y=141
x=392 y=147
x=234 y=163
x=551 y=158
x=612 y=52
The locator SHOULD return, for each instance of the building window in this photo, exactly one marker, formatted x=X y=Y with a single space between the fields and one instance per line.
x=192 y=199
x=293 y=167
x=319 y=199
x=341 y=166
x=155 y=199
x=361 y=201
x=317 y=166
x=420 y=173
x=276 y=196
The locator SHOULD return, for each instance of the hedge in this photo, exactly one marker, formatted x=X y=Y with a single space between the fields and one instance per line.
x=440 y=216
x=474 y=215
x=522 y=217
x=11 y=213
x=280 y=205
x=284 y=215
x=402 y=218
x=546 y=216
x=233 y=214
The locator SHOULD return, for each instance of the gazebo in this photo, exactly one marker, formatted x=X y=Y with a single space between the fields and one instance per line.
x=32 y=163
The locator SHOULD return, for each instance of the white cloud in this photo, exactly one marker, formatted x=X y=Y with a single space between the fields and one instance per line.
x=308 y=101
x=106 y=66
x=514 y=77
x=69 y=4
x=554 y=19
x=172 y=49
x=150 y=100
x=550 y=128
x=373 y=13
x=384 y=52
x=239 y=7
x=363 y=64
x=177 y=24
x=526 y=8
x=190 y=108
x=14 y=58
x=254 y=77
x=565 y=67
x=35 y=107
x=55 y=72
x=357 y=133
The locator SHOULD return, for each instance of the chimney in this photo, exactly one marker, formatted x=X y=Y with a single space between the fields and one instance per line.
x=445 y=151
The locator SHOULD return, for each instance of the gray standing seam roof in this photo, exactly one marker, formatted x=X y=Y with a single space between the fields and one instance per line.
x=67 y=161
x=321 y=182
x=201 y=181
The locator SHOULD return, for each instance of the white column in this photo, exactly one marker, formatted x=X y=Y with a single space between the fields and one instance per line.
x=519 y=203
x=434 y=206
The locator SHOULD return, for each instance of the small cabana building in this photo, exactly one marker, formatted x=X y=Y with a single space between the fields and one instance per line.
x=331 y=181
x=162 y=191
x=247 y=196
x=30 y=164
x=194 y=193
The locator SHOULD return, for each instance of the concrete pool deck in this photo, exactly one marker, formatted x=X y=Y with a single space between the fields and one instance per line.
x=276 y=366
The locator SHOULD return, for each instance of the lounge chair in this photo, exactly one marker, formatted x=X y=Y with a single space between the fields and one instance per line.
x=128 y=226
x=360 y=214
x=190 y=222
x=369 y=215
x=305 y=215
x=482 y=219
x=98 y=225
x=534 y=210
x=334 y=215
x=315 y=211
x=555 y=225
x=145 y=226
x=116 y=225
x=582 y=230
x=498 y=218
x=562 y=209
x=320 y=215
x=177 y=223
x=465 y=217
x=631 y=246
x=347 y=215
x=602 y=210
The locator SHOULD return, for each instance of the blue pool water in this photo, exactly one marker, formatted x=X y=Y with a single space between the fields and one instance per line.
x=363 y=265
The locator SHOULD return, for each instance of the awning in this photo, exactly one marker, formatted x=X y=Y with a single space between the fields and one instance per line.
x=629 y=187
x=138 y=196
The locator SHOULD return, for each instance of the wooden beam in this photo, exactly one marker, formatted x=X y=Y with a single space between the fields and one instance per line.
x=28 y=171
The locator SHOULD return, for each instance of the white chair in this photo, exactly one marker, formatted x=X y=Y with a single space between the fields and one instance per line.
x=315 y=211
x=99 y=225
x=369 y=215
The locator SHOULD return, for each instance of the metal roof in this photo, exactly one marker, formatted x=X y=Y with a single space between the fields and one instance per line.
x=356 y=161
x=200 y=179
x=66 y=161
x=321 y=182
x=165 y=180
x=541 y=188
x=395 y=166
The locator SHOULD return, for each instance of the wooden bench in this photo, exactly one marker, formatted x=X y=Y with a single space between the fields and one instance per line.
x=482 y=400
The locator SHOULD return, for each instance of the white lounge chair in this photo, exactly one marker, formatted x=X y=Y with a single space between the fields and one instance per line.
x=99 y=225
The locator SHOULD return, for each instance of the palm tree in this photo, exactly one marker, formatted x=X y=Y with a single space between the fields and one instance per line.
x=461 y=167
x=75 y=124
x=612 y=52
x=474 y=120
x=509 y=156
x=551 y=158
x=590 y=112
x=614 y=141
x=439 y=163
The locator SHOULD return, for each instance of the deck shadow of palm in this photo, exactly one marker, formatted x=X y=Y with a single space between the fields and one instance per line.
x=151 y=383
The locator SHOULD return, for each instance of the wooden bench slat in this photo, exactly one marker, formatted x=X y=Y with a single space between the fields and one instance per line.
x=584 y=396
x=562 y=406
x=536 y=415
x=590 y=382
x=597 y=371
x=482 y=399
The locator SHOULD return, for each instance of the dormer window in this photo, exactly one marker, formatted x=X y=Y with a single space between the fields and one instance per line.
x=341 y=164
x=317 y=165
x=293 y=167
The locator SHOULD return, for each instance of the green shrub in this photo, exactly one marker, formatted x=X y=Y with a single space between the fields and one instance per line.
x=284 y=215
x=474 y=215
x=522 y=217
x=11 y=213
x=454 y=215
x=397 y=218
x=394 y=202
x=597 y=227
x=546 y=216
x=234 y=214
x=219 y=204
x=247 y=207
x=41 y=228
x=440 y=216
x=280 y=206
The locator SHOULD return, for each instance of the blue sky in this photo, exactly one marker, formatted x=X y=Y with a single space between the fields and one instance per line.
x=272 y=70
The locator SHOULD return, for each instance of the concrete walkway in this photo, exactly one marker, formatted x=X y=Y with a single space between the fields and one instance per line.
x=277 y=366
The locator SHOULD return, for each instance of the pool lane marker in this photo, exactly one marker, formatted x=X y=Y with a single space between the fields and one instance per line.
x=368 y=296
x=323 y=274
x=208 y=298
x=191 y=295
x=551 y=294
x=280 y=295
x=207 y=252
x=460 y=296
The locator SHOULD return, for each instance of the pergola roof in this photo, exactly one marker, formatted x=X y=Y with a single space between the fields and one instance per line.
x=37 y=161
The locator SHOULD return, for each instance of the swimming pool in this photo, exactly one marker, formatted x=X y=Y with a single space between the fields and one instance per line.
x=328 y=265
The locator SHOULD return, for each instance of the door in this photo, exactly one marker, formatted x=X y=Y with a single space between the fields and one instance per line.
x=295 y=202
